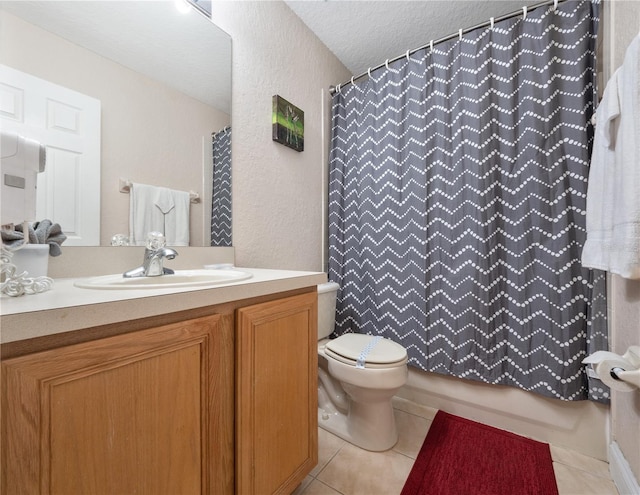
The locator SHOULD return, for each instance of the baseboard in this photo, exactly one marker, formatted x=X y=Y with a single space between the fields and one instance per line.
x=621 y=473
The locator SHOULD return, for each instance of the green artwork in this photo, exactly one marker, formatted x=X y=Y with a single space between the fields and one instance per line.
x=287 y=124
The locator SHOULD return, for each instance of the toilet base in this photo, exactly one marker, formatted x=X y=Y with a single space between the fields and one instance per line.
x=374 y=431
x=335 y=423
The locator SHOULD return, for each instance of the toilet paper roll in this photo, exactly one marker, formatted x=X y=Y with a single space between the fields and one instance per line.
x=603 y=362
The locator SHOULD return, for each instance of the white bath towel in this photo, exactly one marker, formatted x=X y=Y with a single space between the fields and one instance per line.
x=158 y=209
x=613 y=195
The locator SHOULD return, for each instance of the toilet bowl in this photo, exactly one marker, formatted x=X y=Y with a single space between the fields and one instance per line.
x=358 y=375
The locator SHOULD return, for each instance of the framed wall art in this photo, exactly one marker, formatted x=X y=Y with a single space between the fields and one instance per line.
x=287 y=124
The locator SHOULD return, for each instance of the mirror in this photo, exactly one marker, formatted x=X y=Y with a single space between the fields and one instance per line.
x=163 y=79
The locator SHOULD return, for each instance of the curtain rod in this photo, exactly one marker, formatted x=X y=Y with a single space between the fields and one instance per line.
x=224 y=129
x=460 y=33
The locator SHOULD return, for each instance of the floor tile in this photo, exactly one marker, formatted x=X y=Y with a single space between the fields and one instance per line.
x=354 y=471
x=573 y=481
x=412 y=431
x=303 y=486
x=319 y=488
x=328 y=446
x=580 y=461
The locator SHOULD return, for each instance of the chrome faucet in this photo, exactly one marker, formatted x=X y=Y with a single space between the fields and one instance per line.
x=154 y=254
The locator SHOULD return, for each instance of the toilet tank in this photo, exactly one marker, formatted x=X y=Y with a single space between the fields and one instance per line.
x=327 y=294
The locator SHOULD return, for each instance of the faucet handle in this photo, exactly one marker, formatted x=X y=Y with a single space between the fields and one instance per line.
x=155 y=241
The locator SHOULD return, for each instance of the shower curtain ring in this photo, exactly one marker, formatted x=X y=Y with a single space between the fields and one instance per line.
x=431 y=45
x=352 y=83
x=369 y=72
x=492 y=21
x=386 y=64
x=338 y=89
x=555 y=5
x=408 y=58
x=524 y=12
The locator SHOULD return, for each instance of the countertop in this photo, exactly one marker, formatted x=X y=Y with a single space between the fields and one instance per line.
x=66 y=308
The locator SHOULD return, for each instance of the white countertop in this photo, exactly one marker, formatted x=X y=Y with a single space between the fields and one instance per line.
x=66 y=308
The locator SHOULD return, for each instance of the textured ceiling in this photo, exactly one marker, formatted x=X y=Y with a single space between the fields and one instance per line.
x=184 y=51
x=365 y=33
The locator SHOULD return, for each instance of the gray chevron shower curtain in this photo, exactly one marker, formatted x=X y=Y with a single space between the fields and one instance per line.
x=221 y=197
x=457 y=191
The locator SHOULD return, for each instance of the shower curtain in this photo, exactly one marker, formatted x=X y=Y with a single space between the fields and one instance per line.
x=221 y=198
x=456 y=204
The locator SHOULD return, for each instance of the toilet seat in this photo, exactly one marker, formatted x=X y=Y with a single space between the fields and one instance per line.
x=366 y=351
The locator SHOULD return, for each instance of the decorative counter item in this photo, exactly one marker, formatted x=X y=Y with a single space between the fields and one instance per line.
x=43 y=232
x=23 y=265
x=32 y=259
x=120 y=240
x=287 y=124
x=17 y=283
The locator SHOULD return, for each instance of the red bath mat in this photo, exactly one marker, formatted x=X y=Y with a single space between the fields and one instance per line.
x=462 y=457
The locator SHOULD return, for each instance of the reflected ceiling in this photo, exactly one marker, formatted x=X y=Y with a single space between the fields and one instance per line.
x=202 y=74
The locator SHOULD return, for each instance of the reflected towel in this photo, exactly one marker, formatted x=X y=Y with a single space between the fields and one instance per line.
x=158 y=209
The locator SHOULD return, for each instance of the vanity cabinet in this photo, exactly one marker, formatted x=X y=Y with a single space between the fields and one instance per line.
x=134 y=413
x=276 y=394
x=216 y=400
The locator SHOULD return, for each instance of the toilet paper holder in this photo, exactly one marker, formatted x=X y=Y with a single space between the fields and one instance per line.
x=614 y=373
x=620 y=373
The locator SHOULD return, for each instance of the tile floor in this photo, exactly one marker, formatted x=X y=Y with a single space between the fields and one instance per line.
x=344 y=469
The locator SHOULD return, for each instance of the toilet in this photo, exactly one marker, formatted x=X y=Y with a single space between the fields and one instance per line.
x=357 y=377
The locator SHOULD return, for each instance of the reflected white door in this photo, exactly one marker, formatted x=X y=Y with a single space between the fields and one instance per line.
x=68 y=124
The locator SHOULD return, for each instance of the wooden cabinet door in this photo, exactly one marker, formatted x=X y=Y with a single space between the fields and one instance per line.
x=127 y=414
x=276 y=394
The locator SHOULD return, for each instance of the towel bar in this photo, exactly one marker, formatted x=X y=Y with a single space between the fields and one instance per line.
x=125 y=187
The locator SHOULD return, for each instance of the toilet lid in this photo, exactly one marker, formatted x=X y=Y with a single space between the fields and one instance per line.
x=366 y=351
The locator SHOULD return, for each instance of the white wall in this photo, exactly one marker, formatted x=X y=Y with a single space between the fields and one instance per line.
x=142 y=140
x=277 y=192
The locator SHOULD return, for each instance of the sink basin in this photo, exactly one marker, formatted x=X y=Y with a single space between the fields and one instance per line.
x=181 y=278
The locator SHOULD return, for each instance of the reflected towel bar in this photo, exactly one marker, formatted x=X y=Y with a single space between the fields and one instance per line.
x=125 y=187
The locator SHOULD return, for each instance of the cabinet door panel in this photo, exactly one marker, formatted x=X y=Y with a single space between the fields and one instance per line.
x=140 y=419
x=127 y=414
x=276 y=394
